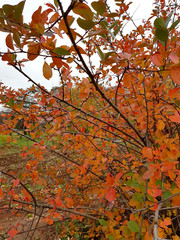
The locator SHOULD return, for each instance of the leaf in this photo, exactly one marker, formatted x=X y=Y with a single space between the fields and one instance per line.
x=18 y=11
x=175 y=117
x=103 y=222
x=47 y=71
x=118 y=176
x=157 y=59
x=12 y=233
x=15 y=183
x=61 y=51
x=110 y=237
x=148 y=174
x=133 y=226
x=99 y=7
x=33 y=51
x=174 y=58
x=117 y=29
x=162 y=34
x=1 y=193
x=100 y=53
x=11 y=102
x=16 y=38
x=159 y=23
x=165 y=223
x=8 y=9
x=174 y=24
x=83 y=10
x=85 y=24
x=110 y=180
x=155 y=192
x=110 y=194
x=147 y=152
x=175 y=74
x=168 y=19
x=9 y=41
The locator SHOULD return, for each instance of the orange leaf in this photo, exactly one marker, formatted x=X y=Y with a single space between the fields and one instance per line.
x=110 y=194
x=175 y=74
x=12 y=233
x=165 y=223
x=118 y=176
x=47 y=71
x=178 y=181
x=155 y=192
x=83 y=10
x=110 y=180
x=9 y=42
x=175 y=117
x=33 y=51
x=147 y=152
x=58 y=202
x=148 y=174
x=157 y=59
x=174 y=58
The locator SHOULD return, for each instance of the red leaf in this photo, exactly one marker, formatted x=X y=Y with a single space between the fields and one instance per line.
x=175 y=117
x=12 y=233
x=1 y=193
x=110 y=194
x=110 y=180
x=157 y=59
x=16 y=182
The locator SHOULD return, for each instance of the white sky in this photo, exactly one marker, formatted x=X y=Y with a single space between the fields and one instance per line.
x=10 y=77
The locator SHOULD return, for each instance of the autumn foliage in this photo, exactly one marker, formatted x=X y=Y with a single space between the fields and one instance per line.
x=112 y=127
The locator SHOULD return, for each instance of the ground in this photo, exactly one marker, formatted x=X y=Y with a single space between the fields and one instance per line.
x=11 y=161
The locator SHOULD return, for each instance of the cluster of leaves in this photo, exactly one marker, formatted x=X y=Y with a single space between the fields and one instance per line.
x=113 y=127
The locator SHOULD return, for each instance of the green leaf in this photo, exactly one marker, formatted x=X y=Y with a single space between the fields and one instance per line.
x=18 y=11
x=107 y=55
x=168 y=19
x=174 y=24
x=104 y=24
x=16 y=38
x=166 y=194
x=159 y=23
x=56 y=3
x=110 y=237
x=117 y=30
x=11 y=102
x=103 y=222
x=85 y=24
x=8 y=9
x=162 y=34
x=99 y=7
x=114 y=24
x=133 y=226
x=61 y=51
x=100 y=53
x=138 y=197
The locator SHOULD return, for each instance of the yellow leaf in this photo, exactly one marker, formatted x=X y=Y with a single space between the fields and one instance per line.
x=47 y=71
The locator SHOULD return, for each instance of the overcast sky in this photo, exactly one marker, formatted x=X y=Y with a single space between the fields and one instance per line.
x=10 y=76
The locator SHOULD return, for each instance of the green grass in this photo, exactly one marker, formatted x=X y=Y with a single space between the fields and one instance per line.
x=15 y=143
